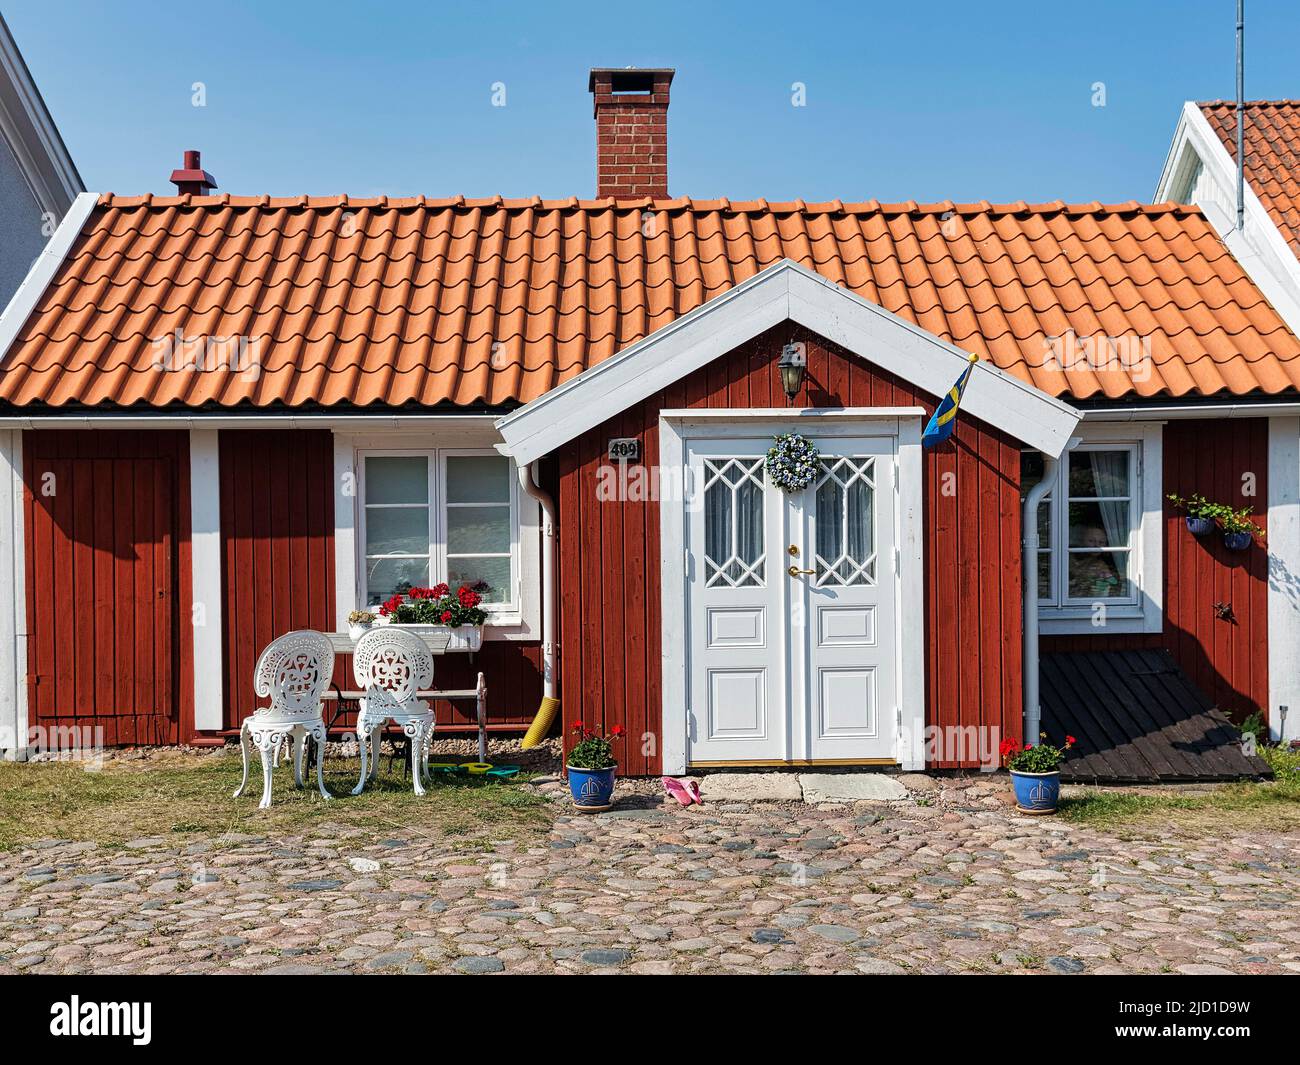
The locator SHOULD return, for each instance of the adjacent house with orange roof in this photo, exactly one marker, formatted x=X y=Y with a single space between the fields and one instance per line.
x=223 y=418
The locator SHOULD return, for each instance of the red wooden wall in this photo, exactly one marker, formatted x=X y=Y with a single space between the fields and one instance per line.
x=277 y=532
x=1226 y=657
x=277 y=539
x=107 y=517
x=609 y=552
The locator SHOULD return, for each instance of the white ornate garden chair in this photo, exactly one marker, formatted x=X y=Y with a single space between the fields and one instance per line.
x=392 y=667
x=293 y=671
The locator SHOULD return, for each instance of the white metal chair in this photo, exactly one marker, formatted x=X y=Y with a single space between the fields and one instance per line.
x=393 y=667
x=293 y=671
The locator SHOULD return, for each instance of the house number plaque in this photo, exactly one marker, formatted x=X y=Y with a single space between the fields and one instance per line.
x=624 y=449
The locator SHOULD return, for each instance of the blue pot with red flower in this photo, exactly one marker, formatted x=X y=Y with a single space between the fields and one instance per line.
x=1035 y=778
x=1037 y=793
x=591 y=767
x=592 y=789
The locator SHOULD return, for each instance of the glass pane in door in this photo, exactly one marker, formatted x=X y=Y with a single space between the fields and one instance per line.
x=733 y=522
x=845 y=509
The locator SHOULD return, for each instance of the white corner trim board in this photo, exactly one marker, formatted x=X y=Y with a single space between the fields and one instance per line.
x=13 y=600
x=783 y=291
x=43 y=270
x=1284 y=577
x=205 y=561
x=345 y=530
x=29 y=129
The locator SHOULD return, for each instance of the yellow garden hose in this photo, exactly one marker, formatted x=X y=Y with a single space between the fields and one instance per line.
x=541 y=723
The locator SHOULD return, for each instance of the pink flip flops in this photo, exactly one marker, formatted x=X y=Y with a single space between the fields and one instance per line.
x=684 y=791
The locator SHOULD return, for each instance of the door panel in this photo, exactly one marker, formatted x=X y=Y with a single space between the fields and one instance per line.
x=845 y=656
x=792 y=666
x=102 y=614
x=736 y=678
x=847 y=704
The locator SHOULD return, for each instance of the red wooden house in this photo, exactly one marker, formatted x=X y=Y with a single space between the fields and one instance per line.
x=222 y=418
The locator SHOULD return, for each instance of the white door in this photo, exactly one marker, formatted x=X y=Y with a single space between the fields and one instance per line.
x=792 y=604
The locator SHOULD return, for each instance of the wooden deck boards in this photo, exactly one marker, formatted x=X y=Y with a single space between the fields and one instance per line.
x=1138 y=719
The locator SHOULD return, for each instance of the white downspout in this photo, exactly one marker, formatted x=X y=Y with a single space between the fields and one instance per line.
x=1029 y=549
x=528 y=479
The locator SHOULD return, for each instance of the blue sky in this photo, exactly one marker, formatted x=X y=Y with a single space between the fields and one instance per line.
x=920 y=100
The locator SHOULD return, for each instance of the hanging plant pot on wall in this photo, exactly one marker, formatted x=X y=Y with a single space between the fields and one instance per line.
x=1238 y=541
x=1203 y=517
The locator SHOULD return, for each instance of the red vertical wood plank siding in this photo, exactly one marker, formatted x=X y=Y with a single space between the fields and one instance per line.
x=1227 y=658
x=609 y=583
x=274 y=489
x=112 y=540
x=277 y=533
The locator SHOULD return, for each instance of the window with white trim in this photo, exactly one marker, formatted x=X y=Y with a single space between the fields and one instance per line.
x=1099 y=530
x=441 y=515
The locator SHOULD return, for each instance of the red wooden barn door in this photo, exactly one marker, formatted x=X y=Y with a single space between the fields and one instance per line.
x=102 y=596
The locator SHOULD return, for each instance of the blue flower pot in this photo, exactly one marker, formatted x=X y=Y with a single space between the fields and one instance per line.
x=1237 y=541
x=592 y=789
x=1037 y=793
x=1200 y=526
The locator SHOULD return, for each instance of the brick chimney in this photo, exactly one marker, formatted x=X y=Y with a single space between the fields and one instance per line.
x=631 y=108
x=192 y=178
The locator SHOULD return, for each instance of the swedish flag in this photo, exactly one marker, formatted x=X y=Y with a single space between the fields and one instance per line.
x=944 y=419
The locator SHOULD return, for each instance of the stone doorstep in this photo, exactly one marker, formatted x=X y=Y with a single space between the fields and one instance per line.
x=802 y=787
x=851 y=787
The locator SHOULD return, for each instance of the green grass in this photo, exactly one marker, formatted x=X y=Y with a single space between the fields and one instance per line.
x=189 y=795
x=1272 y=805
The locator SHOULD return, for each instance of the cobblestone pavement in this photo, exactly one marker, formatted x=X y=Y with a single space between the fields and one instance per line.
x=951 y=882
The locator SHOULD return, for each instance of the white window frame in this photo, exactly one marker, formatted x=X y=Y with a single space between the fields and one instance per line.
x=520 y=619
x=437 y=503
x=1143 y=611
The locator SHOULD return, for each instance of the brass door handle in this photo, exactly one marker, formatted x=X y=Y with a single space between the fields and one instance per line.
x=794 y=571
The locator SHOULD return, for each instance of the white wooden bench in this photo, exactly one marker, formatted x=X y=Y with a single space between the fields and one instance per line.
x=437 y=640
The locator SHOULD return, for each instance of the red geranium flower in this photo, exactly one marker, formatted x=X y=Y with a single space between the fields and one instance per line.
x=616 y=731
x=1069 y=741
x=446 y=616
x=438 y=591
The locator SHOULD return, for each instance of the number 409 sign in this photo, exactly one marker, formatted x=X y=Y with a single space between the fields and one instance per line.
x=624 y=449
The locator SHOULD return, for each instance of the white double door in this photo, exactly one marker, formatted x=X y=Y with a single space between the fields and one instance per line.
x=793 y=604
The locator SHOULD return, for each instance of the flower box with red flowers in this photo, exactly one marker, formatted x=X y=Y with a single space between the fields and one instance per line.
x=439 y=608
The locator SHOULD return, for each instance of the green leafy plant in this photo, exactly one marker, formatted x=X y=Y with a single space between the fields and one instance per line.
x=593 y=750
x=435 y=606
x=1254 y=726
x=1229 y=518
x=1238 y=521
x=1043 y=758
x=1196 y=505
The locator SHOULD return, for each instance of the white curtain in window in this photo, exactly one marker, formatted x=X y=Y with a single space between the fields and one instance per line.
x=1109 y=472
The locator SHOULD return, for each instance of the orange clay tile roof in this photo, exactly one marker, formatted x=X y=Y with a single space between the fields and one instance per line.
x=417 y=302
x=1272 y=141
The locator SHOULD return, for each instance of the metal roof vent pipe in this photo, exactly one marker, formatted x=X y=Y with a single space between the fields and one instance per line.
x=192 y=179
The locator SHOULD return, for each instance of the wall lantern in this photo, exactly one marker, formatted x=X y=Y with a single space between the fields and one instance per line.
x=794 y=361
